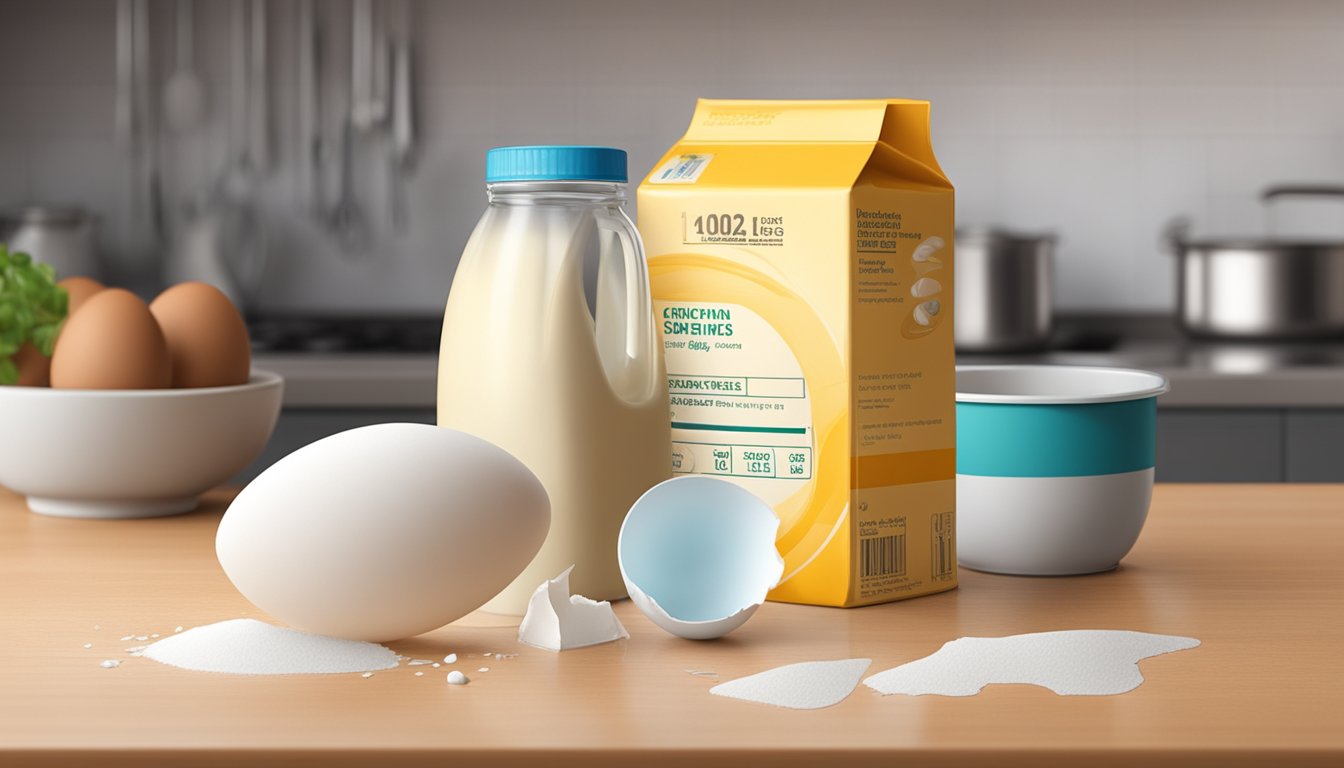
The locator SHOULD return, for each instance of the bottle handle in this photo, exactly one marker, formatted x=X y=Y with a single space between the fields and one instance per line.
x=630 y=356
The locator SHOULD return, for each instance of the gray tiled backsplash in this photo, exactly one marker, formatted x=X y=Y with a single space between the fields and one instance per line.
x=1100 y=120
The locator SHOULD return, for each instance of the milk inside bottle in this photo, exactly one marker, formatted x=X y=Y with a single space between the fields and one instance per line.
x=550 y=351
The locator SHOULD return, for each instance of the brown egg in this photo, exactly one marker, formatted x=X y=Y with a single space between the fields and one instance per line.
x=113 y=342
x=207 y=338
x=34 y=367
x=79 y=289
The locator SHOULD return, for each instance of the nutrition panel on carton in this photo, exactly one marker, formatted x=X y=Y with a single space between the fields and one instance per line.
x=740 y=405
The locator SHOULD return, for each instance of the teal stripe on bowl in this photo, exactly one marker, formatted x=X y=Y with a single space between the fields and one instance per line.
x=1008 y=440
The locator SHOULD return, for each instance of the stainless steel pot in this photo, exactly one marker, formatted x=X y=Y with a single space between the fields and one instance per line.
x=1260 y=288
x=1004 y=290
x=61 y=237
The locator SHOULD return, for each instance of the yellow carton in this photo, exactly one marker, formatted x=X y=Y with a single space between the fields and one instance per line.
x=800 y=254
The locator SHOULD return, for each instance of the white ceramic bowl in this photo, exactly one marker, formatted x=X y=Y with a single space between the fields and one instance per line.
x=1054 y=466
x=131 y=453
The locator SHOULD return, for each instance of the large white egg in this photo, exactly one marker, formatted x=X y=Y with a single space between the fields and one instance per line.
x=383 y=532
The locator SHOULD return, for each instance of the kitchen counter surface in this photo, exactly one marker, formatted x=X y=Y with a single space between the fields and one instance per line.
x=1255 y=572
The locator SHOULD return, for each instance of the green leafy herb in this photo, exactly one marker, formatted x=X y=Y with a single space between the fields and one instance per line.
x=32 y=308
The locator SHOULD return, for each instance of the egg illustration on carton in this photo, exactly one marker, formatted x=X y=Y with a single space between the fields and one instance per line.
x=925 y=289
x=383 y=532
x=698 y=555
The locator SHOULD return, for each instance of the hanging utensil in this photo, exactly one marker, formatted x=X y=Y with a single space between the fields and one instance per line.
x=236 y=179
x=402 y=141
x=367 y=73
x=124 y=118
x=146 y=151
x=125 y=107
x=403 y=134
x=259 y=152
x=184 y=100
x=347 y=219
x=310 y=134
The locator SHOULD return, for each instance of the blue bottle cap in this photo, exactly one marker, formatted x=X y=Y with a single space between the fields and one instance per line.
x=555 y=162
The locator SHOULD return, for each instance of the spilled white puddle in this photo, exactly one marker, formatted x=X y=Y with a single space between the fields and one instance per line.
x=1084 y=662
x=251 y=647
x=808 y=685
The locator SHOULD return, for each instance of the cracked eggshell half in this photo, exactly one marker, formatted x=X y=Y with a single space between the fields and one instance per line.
x=698 y=555
x=383 y=532
x=559 y=621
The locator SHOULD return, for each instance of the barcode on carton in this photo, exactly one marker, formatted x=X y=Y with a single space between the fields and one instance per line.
x=941 y=555
x=882 y=556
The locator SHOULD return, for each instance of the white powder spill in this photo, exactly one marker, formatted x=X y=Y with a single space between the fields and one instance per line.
x=88 y=645
x=1086 y=662
x=483 y=669
x=251 y=647
x=177 y=629
x=457 y=678
x=136 y=648
x=128 y=637
x=142 y=638
x=367 y=675
x=419 y=674
x=110 y=664
x=450 y=658
x=436 y=665
x=559 y=621
x=419 y=662
x=702 y=673
x=808 y=685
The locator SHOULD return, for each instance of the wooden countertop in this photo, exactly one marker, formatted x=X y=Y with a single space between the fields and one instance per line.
x=1256 y=572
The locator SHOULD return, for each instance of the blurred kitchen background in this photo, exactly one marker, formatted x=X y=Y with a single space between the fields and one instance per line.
x=322 y=160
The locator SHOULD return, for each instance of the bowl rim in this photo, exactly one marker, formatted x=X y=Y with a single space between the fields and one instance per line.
x=258 y=379
x=1156 y=384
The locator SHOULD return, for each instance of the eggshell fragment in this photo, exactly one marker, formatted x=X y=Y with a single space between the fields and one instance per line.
x=559 y=621
x=698 y=555
x=207 y=338
x=383 y=532
x=112 y=342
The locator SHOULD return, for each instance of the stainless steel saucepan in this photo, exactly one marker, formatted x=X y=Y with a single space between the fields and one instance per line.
x=1005 y=290
x=1260 y=288
x=60 y=236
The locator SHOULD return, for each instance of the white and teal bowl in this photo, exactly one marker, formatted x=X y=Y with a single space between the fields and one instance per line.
x=1054 y=466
